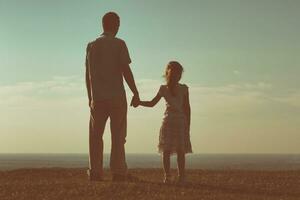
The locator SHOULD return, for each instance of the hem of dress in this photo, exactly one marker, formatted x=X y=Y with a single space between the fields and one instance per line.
x=172 y=152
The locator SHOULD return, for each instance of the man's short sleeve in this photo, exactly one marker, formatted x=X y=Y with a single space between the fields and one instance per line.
x=87 y=55
x=186 y=90
x=124 y=54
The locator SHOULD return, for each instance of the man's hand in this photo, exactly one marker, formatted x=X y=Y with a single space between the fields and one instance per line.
x=128 y=76
x=135 y=101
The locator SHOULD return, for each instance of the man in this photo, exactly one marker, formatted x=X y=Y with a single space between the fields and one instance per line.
x=107 y=62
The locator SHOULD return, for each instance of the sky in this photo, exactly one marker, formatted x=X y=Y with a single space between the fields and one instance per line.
x=241 y=61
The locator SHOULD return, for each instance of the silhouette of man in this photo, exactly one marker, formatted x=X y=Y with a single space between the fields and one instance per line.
x=107 y=63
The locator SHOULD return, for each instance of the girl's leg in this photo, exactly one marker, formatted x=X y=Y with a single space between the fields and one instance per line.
x=166 y=165
x=181 y=164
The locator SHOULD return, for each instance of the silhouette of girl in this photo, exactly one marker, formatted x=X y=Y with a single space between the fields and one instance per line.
x=174 y=137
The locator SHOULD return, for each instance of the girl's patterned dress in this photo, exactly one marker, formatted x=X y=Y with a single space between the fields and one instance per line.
x=174 y=133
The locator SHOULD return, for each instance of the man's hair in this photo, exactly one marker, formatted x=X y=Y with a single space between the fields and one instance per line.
x=110 y=20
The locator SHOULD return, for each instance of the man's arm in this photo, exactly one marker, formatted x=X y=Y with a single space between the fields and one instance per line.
x=127 y=73
x=87 y=76
x=128 y=76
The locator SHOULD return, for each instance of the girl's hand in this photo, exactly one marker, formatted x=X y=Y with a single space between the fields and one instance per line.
x=135 y=101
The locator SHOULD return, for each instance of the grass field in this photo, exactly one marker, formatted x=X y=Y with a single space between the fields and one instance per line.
x=61 y=183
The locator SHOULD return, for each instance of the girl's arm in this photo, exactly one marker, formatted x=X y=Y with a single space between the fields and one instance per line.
x=151 y=103
x=187 y=109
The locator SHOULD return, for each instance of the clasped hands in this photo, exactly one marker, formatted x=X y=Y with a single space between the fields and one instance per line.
x=135 y=101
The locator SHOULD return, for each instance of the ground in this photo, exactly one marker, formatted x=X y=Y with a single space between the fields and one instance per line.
x=61 y=183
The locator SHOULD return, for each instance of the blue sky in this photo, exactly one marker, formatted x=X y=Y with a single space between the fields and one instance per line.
x=241 y=61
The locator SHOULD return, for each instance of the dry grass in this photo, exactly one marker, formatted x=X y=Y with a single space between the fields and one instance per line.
x=58 y=183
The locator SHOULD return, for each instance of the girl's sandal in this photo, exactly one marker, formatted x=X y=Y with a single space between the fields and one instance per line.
x=167 y=179
x=181 y=180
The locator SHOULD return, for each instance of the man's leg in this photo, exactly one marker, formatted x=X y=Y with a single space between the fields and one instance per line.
x=118 y=126
x=98 y=118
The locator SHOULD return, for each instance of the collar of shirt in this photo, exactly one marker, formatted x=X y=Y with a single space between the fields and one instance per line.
x=108 y=34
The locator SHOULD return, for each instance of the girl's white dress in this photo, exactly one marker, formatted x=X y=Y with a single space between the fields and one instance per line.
x=174 y=132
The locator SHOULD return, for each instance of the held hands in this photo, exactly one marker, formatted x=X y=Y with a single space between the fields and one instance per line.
x=135 y=101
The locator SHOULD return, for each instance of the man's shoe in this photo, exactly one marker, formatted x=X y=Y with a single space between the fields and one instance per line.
x=181 y=180
x=94 y=177
x=132 y=178
x=121 y=178
x=118 y=178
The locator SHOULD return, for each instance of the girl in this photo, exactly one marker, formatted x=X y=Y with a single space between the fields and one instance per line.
x=174 y=137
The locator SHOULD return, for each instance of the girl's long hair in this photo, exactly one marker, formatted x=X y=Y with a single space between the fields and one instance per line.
x=173 y=68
